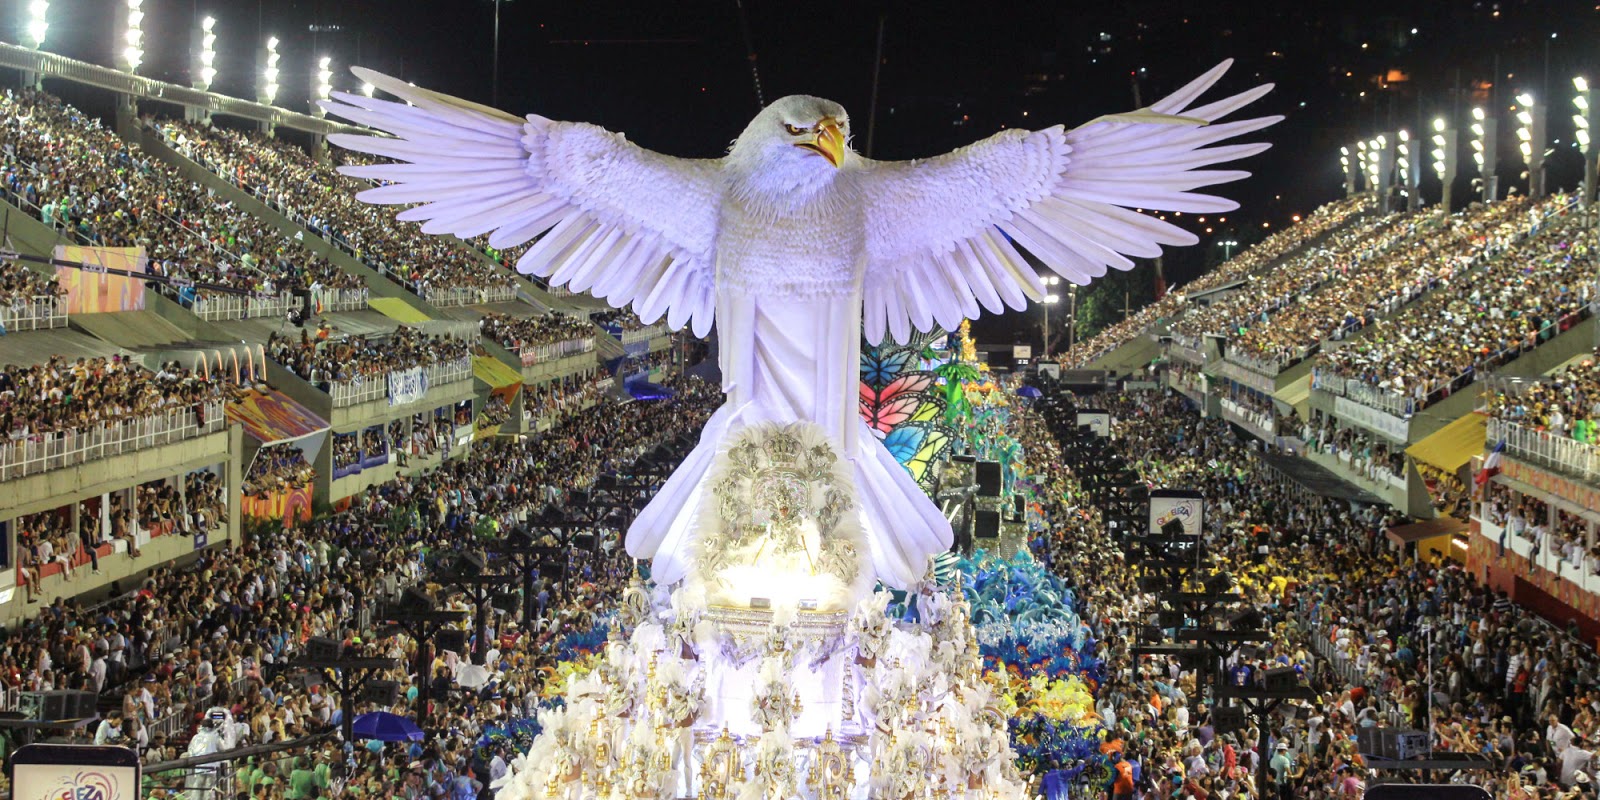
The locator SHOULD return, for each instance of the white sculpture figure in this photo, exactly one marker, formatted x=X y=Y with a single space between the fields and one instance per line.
x=795 y=244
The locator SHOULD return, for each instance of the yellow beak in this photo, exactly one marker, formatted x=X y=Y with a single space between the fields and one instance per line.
x=828 y=141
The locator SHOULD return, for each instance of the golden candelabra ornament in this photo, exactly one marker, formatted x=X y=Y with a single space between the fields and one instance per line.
x=832 y=772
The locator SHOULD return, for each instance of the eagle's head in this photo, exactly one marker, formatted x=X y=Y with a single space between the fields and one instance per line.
x=795 y=145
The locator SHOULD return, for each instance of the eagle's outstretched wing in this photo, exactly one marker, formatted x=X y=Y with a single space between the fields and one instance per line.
x=941 y=231
x=624 y=223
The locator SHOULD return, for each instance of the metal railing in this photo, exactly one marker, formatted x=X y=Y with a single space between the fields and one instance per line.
x=451 y=296
x=541 y=353
x=1268 y=365
x=643 y=334
x=339 y=300
x=34 y=314
x=1545 y=449
x=213 y=307
x=1265 y=422
x=366 y=388
x=68 y=448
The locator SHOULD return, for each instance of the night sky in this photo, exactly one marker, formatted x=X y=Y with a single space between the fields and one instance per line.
x=676 y=76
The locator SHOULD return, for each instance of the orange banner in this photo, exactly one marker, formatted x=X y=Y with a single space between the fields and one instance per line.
x=90 y=291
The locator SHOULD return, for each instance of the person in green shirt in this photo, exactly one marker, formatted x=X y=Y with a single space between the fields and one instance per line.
x=302 y=780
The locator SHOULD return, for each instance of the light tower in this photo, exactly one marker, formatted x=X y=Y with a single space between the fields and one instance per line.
x=1407 y=165
x=1531 y=141
x=1352 y=171
x=205 y=63
x=38 y=23
x=321 y=84
x=1485 y=152
x=1585 y=122
x=131 y=55
x=1444 y=158
x=267 y=86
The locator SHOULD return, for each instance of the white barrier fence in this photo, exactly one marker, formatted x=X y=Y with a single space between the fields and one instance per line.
x=68 y=448
x=213 y=307
x=448 y=297
x=1545 y=449
x=373 y=387
x=539 y=354
x=643 y=334
x=34 y=314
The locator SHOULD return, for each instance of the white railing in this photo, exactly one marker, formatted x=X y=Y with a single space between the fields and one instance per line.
x=449 y=371
x=357 y=390
x=34 y=314
x=1264 y=422
x=1179 y=350
x=340 y=299
x=1385 y=400
x=450 y=296
x=643 y=334
x=76 y=446
x=213 y=307
x=1546 y=449
x=1267 y=366
x=540 y=353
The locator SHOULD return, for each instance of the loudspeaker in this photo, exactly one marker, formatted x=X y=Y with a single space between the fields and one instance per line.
x=414 y=599
x=1169 y=619
x=1249 y=619
x=586 y=541
x=381 y=693
x=312 y=679
x=469 y=563
x=81 y=705
x=1152 y=583
x=1172 y=528
x=552 y=571
x=1227 y=719
x=321 y=648
x=1216 y=584
x=986 y=524
x=1277 y=680
x=988 y=478
x=452 y=640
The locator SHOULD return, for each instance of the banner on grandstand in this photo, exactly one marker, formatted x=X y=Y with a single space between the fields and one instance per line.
x=407 y=386
x=91 y=289
x=1388 y=425
x=290 y=505
x=1183 y=505
x=1099 y=421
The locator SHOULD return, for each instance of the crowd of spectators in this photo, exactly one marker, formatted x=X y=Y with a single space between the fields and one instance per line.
x=1344 y=608
x=516 y=332
x=621 y=318
x=322 y=359
x=277 y=468
x=97 y=189
x=1369 y=454
x=1249 y=261
x=206 y=648
x=1530 y=291
x=19 y=285
x=1566 y=404
x=46 y=400
x=314 y=194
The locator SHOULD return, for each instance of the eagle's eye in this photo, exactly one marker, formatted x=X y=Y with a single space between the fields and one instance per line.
x=793 y=131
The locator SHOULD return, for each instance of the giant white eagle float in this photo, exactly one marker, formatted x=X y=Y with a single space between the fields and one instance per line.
x=768 y=674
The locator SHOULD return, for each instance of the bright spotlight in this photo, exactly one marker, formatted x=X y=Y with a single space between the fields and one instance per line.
x=268 y=91
x=133 y=36
x=38 y=11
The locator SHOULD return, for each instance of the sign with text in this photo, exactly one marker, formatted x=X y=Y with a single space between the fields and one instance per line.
x=407 y=386
x=74 y=772
x=1183 y=505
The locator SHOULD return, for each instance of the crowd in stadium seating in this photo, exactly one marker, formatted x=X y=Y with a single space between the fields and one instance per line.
x=323 y=359
x=1367 y=453
x=1325 y=218
x=86 y=182
x=65 y=394
x=1531 y=292
x=316 y=195
x=1503 y=683
x=623 y=318
x=19 y=284
x=221 y=633
x=514 y=333
x=277 y=468
x=1567 y=404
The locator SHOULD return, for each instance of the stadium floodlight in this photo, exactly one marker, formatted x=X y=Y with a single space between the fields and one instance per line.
x=1531 y=141
x=38 y=22
x=1485 y=140
x=1444 y=158
x=321 y=84
x=1583 y=125
x=367 y=88
x=269 y=73
x=132 y=53
x=206 y=64
x=1410 y=178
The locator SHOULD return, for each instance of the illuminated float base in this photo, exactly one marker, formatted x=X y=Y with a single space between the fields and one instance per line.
x=772 y=670
x=745 y=704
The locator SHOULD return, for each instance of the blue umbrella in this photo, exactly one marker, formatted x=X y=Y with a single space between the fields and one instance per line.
x=386 y=727
x=1029 y=391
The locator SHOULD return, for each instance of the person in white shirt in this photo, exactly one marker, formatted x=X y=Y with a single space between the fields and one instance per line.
x=1575 y=759
x=110 y=730
x=1558 y=735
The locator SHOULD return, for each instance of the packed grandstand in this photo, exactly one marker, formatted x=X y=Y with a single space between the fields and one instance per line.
x=309 y=429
